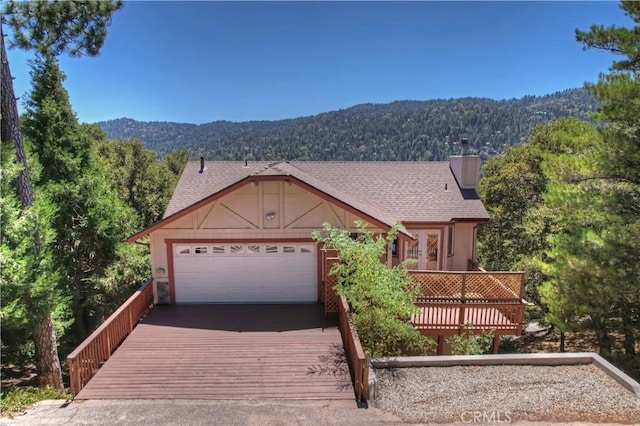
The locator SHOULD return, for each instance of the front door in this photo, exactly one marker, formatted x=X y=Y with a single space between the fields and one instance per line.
x=425 y=250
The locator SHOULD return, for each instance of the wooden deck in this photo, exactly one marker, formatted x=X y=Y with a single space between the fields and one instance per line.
x=443 y=319
x=227 y=352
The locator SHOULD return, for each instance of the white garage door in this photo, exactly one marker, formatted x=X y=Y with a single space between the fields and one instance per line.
x=250 y=272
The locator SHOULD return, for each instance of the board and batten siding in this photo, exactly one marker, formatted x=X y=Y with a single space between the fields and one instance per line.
x=260 y=211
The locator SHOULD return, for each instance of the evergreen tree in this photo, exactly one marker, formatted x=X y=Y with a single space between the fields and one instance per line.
x=33 y=310
x=513 y=188
x=50 y=28
x=592 y=277
x=143 y=183
x=91 y=221
x=612 y=246
x=578 y=289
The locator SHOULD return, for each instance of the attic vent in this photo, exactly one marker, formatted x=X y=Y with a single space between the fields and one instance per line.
x=201 y=165
x=246 y=163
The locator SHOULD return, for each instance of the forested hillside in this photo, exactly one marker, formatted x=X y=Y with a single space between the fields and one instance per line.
x=403 y=130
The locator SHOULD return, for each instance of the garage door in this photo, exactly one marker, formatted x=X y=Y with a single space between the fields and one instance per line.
x=244 y=273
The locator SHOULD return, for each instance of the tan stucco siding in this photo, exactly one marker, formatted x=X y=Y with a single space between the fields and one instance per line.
x=463 y=246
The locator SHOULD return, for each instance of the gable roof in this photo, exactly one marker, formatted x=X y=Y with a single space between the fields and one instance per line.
x=412 y=191
x=387 y=191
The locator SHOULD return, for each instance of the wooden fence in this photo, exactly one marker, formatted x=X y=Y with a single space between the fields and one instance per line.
x=96 y=349
x=358 y=360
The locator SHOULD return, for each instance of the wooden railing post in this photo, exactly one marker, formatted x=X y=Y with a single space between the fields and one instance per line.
x=463 y=290
x=519 y=317
x=74 y=377
x=108 y=336
x=365 y=377
x=130 y=318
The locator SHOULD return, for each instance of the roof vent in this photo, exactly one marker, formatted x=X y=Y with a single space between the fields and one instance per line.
x=246 y=163
x=201 y=165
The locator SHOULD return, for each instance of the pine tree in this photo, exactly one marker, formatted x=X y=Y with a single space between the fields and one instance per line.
x=49 y=28
x=616 y=173
x=91 y=221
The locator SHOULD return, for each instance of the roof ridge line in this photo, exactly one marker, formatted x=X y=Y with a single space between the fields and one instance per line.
x=286 y=163
x=268 y=166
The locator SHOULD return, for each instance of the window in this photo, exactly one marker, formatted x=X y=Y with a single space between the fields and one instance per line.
x=450 y=240
x=306 y=249
x=183 y=250
x=413 y=250
x=201 y=250
x=289 y=249
x=251 y=249
x=218 y=250
x=235 y=249
x=394 y=247
x=271 y=249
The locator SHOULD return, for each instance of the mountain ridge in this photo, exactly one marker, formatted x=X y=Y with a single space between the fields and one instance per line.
x=398 y=130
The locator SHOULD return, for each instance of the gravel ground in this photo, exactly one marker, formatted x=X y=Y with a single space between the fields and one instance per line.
x=505 y=394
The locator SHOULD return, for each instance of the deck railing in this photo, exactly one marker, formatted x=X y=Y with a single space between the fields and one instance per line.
x=469 y=285
x=434 y=318
x=96 y=349
x=450 y=302
x=356 y=357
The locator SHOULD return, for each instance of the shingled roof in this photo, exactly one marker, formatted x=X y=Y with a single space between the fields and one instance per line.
x=420 y=191
x=387 y=191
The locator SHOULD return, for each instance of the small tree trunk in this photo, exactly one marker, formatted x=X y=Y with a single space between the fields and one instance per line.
x=49 y=370
x=629 y=332
x=604 y=340
x=10 y=129
x=562 y=336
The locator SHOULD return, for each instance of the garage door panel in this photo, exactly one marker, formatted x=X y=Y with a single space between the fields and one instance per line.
x=184 y=264
x=245 y=273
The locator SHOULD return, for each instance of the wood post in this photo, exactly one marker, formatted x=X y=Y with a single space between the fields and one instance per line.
x=496 y=343
x=463 y=289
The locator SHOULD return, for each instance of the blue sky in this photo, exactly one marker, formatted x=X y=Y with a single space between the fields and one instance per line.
x=198 y=62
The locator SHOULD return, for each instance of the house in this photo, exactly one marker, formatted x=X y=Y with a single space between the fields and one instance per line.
x=240 y=232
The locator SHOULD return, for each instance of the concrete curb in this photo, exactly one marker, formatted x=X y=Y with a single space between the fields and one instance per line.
x=503 y=359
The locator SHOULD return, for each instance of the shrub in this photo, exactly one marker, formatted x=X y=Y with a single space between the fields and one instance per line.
x=381 y=297
x=471 y=344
